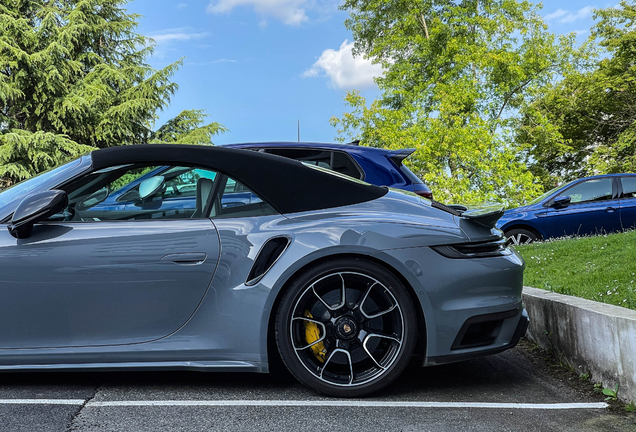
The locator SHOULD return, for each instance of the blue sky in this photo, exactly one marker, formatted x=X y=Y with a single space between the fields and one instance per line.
x=259 y=66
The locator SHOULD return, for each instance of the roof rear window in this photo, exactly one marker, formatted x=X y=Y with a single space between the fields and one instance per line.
x=409 y=174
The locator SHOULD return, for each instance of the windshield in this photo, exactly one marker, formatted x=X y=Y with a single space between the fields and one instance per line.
x=545 y=195
x=22 y=189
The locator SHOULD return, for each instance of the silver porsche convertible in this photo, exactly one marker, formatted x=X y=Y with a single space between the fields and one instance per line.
x=217 y=259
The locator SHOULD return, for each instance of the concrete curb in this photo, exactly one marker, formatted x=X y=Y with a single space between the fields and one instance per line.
x=593 y=337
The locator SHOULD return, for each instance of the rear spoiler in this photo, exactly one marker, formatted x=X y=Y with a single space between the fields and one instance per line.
x=397 y=156
x=486 y=216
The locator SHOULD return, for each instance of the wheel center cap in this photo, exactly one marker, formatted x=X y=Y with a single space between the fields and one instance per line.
x=346 y=328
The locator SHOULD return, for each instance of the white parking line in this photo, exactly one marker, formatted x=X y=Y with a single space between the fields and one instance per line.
x=42 y=401
x=343 y=403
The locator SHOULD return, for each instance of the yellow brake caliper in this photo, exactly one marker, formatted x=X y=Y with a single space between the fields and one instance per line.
x=312 y=334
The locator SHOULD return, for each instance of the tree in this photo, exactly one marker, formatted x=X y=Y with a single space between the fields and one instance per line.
x=586 y=124
x=188 y=128
x=456 y=74
x=73 y=77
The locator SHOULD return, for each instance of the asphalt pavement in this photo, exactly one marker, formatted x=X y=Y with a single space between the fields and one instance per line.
x=512 y=391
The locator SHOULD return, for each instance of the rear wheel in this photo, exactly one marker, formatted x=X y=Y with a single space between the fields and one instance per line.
x=346 y=328
x=520 y=236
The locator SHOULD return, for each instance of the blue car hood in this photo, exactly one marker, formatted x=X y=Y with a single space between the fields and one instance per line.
x=517 y=210
x=513 y=214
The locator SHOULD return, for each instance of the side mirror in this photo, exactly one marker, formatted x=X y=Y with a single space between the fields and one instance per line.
x=151 y=187
x=34 y=209
x=562 y=201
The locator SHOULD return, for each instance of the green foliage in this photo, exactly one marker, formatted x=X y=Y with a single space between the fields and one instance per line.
x=588 y=267
x=24 y=154
x=586 y=124
x=612 y=394
x=456 y=76
x=129 y=177
x=75 y=71
x=188 y=128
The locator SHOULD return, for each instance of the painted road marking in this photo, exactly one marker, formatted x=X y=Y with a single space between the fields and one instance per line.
x=344 y=403
x=42 y=401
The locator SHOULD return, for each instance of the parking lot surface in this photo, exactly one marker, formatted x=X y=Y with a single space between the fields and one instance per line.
x=511 y=391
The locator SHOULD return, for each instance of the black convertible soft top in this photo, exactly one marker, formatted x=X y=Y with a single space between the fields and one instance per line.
x=287 y=185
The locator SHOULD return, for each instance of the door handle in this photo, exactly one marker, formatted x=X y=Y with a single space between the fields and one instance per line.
x=193 y=258
x=610 y=209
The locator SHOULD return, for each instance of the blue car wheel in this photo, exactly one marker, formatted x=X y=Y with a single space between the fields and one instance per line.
x=520 y=236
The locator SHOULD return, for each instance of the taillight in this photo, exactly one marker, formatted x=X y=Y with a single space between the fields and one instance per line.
x=425 y=194
x=492 y=248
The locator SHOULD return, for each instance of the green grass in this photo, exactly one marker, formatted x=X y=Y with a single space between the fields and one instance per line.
x=601 y=268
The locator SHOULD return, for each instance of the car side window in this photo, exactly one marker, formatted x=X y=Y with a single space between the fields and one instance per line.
x=335 y=160
x=237 y=200
x=321 y=158
x=629 y=187
x=136 y=192
x=590 y=191
x=343 y=164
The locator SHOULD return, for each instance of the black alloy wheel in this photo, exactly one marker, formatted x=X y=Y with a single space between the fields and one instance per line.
x=346 y=328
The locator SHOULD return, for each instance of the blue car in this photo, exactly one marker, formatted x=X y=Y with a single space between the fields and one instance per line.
x=592 y=205
x=377 y=166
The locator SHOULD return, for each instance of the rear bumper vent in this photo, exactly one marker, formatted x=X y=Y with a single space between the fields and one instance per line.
x=481 y=330
x=266 y=258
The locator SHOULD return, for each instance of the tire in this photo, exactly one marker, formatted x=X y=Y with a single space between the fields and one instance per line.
x=351 y=347
x=520 y=236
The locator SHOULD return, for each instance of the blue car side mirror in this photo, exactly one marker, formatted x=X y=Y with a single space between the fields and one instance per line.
x=562 y=201
x=34 y=209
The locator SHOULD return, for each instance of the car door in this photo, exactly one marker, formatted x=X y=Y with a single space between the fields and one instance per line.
x=103 y=282
x=593 y=209
x=628 y=202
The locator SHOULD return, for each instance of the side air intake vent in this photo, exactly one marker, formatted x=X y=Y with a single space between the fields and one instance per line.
x=267 y=257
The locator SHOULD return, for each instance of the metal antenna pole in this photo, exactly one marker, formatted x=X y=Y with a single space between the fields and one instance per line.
x=298 y=130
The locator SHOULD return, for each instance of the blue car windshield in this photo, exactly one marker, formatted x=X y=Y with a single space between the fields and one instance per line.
x=22 y=189
x=545 y=195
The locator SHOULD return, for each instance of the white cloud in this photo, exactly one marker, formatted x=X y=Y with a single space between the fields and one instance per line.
x=564 y=16
x=176 y=36
x=343 y=69
x=290 y=12
x=182 y=5
x=166 y=39
x=556 y=14
x=580 y=14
